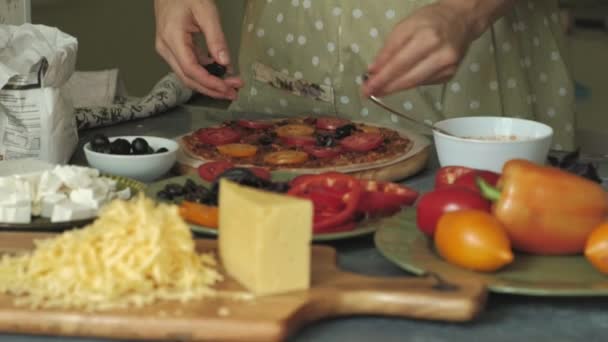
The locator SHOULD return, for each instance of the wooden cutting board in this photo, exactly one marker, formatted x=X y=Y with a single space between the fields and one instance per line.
x=272 y=318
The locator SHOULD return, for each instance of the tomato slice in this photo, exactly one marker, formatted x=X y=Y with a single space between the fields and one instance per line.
x=210 y=170
x=384 y=198
x=344 y=227
x=299 y=141
x=335 y=198
x=261 y=172
x=254 y=124
x=331 y=124
x=286 y=157
x=294 y=130
x=238 y=150
x=362 y=142
x=323 y=152
x=218 y=135
x=447 y=175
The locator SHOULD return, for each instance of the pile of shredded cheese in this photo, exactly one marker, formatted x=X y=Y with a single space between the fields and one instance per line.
x=134 y=254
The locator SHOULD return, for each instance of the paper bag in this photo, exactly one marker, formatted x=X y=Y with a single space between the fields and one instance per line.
x=36 y=116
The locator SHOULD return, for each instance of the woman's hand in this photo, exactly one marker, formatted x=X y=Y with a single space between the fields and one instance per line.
x=427 y=46
x=176 y=23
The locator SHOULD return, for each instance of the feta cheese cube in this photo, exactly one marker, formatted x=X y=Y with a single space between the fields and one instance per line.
x=67 y=210
x=48 y=204
x=16 y=214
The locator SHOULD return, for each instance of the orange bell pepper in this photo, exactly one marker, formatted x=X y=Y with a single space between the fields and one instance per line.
x=203 y=215
x=546 y=210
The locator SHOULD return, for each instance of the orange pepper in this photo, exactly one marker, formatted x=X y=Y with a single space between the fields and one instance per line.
x=546 y=210
x=203 y=215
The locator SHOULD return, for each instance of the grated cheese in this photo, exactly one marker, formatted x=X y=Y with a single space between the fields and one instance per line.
x=134 y=254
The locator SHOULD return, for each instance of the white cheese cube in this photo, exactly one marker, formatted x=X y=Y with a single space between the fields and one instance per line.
x=16 y=214
x=49 y=183
x=264 y=239
x=67 y=210
x=48 y=204
x=85 y=197
x=14 y=192
x=124 y=194
x=74 y=177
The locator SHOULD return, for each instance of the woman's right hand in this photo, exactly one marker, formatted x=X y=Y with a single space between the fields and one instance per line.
x=176 y=23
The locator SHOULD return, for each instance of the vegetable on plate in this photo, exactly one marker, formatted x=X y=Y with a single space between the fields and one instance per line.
x=546 y=210
x=434 y=204
x=473 y=239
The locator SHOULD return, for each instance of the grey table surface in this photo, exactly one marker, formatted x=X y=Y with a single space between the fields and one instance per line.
x=506 y=318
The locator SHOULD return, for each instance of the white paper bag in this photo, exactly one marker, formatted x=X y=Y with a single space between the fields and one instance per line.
x=36 y=115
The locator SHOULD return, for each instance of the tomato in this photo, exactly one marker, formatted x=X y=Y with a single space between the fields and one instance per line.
x=299 y=141
x=286 y=157
x=434 y=204
x=469 y=179
x=323 y=152
x=384 y=198
x=210 y=170
x=200 y=214
x=254 y=124
x=596 y=248
x=473 y=239
x=261 y=172
x=294 y=130
x=362 y=142
x=447 y=175
x=238 y=150
x=335 y=198
x=331 y=124
x=301 y=178
x=218 y=135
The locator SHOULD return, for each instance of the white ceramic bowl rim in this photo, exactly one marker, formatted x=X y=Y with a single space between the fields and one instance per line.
x=172 y=147
x=442 y=124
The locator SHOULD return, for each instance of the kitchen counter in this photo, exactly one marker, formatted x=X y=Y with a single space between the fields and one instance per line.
x=506 y=318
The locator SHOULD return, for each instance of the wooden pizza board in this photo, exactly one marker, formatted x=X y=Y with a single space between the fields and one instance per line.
x=394 y=172
x=272 y=318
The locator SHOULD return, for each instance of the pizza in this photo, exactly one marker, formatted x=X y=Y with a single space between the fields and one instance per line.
x=296 y=143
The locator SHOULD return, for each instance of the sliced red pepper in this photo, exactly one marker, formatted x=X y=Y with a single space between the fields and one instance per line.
x=329 y=187
x=384 y=198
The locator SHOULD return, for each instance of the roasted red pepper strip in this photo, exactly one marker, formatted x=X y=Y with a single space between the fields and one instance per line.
x=335 y=198
x=546 y=210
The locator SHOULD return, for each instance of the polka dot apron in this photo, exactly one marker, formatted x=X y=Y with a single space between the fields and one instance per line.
x=303 y=56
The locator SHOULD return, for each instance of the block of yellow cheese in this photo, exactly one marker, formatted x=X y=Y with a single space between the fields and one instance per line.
x=264 y=239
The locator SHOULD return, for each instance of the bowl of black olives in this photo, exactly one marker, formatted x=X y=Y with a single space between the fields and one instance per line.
x=143 y=158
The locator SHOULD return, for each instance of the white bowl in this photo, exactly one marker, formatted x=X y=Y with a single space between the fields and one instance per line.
x=487 y=142
x=142 y=167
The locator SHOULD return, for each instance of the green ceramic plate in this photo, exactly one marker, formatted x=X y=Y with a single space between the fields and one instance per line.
x=366 y=227
x=402 y=243
x=44 y=224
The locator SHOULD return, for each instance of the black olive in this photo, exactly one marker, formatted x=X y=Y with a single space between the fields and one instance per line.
x=325 y=140
x=164 y=195
x=192 y=197
x=344 y=131
x=99 y=142
x=280 y=187
x=190 y=186
x=120 y=146
x=215 y=69
x=174 y=189
x=162 y=150
x=265 y=140
x=242 y=176
x=140 y=146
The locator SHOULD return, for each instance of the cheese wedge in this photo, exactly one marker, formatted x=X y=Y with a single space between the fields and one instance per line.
x=264 y=239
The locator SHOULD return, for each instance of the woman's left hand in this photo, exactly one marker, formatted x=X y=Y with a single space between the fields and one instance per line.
x=424 y=48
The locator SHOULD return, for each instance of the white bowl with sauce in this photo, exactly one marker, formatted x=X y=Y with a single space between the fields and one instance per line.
x=487 y=142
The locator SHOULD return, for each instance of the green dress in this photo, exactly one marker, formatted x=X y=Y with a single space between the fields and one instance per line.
x=303 y=56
